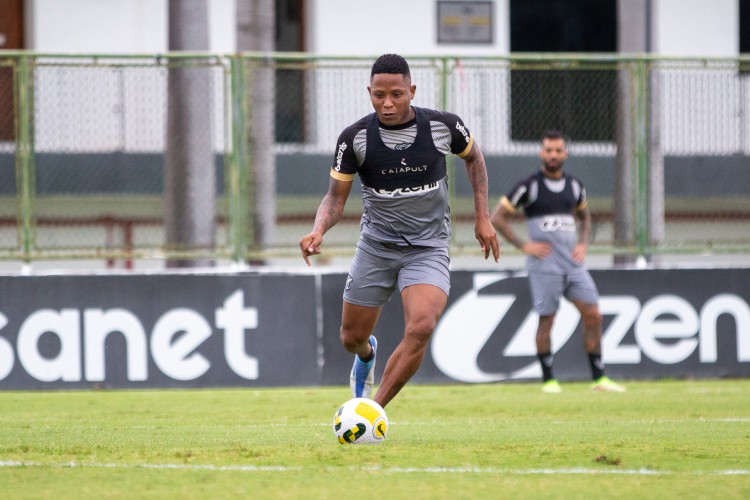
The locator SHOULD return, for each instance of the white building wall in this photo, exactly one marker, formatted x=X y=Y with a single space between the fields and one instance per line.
x=690 y=28
x=117 y=26
x=352 y=27
x=697 y=28
x=364 y=27
x=356 y=28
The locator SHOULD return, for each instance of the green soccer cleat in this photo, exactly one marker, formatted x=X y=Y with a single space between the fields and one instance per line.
x=551 y=387
x=605 y=384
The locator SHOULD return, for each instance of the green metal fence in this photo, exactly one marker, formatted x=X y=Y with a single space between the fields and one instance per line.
x=185 y=157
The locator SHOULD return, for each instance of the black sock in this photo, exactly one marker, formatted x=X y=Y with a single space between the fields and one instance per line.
x=369 y=357
x=597 y=367
x=546 y=359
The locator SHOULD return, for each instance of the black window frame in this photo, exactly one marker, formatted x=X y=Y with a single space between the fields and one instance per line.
x=582 y=103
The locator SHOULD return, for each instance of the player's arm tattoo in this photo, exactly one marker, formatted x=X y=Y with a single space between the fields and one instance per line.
x=476 y=170
x=485 y=234
x=332 y=207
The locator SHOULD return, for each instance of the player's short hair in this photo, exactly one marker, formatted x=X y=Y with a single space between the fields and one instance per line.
x=392 y=64
x=554 y=134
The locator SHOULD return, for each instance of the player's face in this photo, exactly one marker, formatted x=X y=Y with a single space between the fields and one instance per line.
x=391 y=97
x=553 y=155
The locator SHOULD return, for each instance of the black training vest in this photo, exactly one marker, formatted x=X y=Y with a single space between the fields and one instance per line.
x=386 y=168
x=549 y=202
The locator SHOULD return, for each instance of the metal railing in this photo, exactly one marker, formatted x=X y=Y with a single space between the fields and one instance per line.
x=91 y=167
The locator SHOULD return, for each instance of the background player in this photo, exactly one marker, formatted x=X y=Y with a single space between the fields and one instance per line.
x=556 y=251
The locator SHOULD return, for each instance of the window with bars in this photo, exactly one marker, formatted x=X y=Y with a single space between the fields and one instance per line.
x=555 y=98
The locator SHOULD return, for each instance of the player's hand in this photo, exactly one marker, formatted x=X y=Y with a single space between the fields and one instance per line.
x=310 y=245
x=539 y=249
x=580 y=251
x=487 y=238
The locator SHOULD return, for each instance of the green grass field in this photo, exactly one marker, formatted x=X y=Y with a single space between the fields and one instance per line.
x=664 y=439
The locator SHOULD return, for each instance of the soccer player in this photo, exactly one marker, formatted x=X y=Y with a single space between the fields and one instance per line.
x=555 y=255
x=399 y=154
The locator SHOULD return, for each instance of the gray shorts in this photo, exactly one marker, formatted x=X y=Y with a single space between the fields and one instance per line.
x=546 y=289
x=378 y=268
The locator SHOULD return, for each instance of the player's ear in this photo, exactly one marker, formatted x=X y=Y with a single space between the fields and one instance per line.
x=413 y=90
x=369 y=90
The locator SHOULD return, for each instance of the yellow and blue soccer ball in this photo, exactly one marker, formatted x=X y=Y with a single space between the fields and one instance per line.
x=360 y=421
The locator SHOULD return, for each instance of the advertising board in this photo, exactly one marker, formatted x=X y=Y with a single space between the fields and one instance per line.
x=281 y=329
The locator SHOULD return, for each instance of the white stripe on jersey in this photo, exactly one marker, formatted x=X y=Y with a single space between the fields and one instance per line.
x=576 y=190
x=517 y=195
x=404 y=138
x=403 y=192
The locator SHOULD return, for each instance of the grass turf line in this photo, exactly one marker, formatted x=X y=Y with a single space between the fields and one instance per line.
x=689 y=438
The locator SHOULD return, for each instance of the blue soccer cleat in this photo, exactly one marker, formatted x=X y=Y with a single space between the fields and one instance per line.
x=362 y=377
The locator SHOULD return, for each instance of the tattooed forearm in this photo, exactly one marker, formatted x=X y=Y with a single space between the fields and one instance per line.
x=332 y=207
x=477 y=173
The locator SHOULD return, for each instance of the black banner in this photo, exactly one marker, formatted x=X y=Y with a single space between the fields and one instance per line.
x=280 y=329
x=167 y=330
x=657 y=323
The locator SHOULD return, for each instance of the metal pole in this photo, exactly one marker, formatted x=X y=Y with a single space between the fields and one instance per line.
x=450 y=159
x=237 y=184
x=634 y=39
x=25 y=171
x=623 y=183
x=656 y=188
x=642 y=157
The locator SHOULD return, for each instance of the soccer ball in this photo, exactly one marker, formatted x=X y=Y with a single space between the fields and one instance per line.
x=360 y=421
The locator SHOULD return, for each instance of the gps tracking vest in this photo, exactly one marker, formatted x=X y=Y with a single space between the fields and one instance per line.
x=418 y=165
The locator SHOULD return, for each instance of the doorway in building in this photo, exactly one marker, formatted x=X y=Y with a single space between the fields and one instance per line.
x=581 y=103
x=11 y=38
x=290 y=80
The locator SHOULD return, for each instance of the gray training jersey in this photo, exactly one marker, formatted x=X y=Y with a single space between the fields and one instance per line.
x=403 y=174
x=549 y=206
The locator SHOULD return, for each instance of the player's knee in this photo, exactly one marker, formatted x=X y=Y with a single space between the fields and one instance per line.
x=351 y=340
x=420 y=331
x=592 y=317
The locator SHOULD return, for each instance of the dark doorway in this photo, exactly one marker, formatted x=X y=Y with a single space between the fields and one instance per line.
x=290 y=79
x=745 y=27
x=580 y=102
x=11 y=38
x=563 y=25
